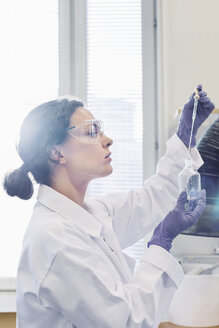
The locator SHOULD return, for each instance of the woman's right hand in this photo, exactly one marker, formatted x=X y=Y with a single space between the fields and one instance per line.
x=178 y=220
x=204 y=109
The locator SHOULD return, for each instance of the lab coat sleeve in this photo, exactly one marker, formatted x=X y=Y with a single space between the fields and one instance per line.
x=79 y=286
x=136 y=213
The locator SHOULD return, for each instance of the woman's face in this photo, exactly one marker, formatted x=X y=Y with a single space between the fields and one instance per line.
x=85 y=161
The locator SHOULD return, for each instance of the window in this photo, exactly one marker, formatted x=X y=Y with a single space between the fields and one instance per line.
x=114 y=90
x=94 y=48
x=29 y=76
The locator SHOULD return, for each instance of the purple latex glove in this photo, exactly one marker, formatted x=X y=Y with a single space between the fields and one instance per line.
x=204 y=109
x=178 y=220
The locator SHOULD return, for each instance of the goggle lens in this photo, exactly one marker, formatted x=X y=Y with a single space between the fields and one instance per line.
x=87 y=131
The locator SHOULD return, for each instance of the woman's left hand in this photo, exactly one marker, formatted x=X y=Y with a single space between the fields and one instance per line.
x=177 y=220
x=204 y=109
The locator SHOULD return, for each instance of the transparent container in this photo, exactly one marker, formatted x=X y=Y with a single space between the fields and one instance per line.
x=190 y=181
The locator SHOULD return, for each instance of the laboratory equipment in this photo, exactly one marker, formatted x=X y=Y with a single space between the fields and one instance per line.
x=211 y=269
x=190 y=181
x=194 y=112
x=189 y=178
x=196 y=302
x=208 y=147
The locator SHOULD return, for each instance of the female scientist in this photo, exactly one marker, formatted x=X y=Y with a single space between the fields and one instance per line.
x=72 y=271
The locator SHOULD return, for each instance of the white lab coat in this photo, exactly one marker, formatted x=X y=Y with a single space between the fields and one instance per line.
x=72 y=271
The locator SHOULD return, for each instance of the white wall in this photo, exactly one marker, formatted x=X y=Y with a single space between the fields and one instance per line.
x=189 y=55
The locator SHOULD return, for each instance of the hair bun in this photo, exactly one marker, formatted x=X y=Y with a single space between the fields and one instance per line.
x=17 y=183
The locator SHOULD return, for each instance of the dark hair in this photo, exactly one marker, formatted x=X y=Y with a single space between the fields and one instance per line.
x=208 y=148
x=44 y=127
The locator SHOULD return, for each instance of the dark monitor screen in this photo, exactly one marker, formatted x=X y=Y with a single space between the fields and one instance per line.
x=208 y=223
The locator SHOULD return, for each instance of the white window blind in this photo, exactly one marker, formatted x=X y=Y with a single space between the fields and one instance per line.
x=114 y=91
x=29 y=76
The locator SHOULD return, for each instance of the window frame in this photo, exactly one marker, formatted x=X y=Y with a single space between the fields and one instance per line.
x=72 y=67
x=72 y=48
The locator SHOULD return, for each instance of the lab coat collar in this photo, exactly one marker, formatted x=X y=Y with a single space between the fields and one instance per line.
x=66 y=207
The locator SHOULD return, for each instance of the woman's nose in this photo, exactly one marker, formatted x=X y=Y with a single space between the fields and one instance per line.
x=106 y=141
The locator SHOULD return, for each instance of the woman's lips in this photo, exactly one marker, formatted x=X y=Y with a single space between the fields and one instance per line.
x=108 y=155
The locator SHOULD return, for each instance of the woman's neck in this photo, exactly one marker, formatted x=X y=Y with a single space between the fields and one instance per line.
x=74 y=189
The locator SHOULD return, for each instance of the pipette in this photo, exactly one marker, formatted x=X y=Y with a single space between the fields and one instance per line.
x=196 y=98
x=189 y=178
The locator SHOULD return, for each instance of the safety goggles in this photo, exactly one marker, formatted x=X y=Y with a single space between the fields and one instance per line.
x=88 y=131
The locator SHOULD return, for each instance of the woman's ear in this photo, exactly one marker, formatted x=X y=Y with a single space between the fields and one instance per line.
x=55 y=155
